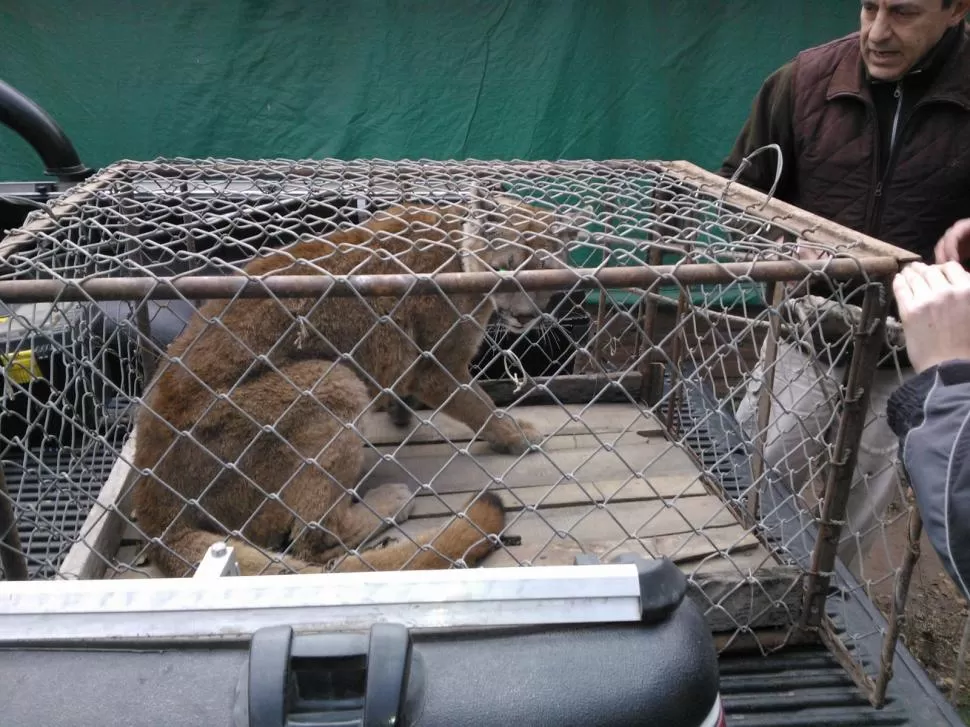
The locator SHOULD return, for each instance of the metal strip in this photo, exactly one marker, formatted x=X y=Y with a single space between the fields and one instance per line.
x=298 y=286
x=174 y=608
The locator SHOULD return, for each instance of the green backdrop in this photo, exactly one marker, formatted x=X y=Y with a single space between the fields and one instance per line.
x=435 y=79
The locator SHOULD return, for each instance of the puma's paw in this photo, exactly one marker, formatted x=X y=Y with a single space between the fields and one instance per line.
x=515 y=437
x=391 y=500
x=400 y=414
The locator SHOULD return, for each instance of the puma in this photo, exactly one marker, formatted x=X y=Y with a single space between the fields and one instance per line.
x=248 y=431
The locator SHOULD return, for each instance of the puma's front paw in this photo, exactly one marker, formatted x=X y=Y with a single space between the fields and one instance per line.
x=400 y=413
x=391 y=500
x=514 y=437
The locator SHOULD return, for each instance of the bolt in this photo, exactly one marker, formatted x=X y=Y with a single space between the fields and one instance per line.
x=218 y=550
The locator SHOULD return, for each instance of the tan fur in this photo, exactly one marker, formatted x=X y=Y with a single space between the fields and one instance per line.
x=258 y=384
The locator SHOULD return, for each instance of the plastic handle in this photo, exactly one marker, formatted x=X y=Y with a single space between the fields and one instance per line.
x=269 y=662
x=388 y=666
x=280 y=660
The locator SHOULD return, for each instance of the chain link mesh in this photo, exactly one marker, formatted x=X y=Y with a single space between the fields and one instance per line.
x=641 y=364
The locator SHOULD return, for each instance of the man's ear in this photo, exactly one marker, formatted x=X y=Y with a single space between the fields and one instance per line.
x=960 y=9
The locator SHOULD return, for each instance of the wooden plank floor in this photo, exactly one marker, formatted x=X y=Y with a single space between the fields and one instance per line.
x=607 y=481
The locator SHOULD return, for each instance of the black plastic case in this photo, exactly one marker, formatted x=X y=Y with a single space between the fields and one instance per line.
x=660 y=671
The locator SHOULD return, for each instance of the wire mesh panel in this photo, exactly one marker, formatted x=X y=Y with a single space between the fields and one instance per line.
x=334 y=366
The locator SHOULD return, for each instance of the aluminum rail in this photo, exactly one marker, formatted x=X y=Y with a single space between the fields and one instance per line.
x=232 y=608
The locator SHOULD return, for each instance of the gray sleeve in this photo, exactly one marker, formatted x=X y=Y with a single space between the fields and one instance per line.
x=931 y=415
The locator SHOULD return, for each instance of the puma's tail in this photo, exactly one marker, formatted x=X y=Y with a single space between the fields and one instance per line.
x=469 y=537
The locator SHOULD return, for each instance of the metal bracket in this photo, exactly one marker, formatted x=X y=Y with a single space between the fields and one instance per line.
x=220 y=560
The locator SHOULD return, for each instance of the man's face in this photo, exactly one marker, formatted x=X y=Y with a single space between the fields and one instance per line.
x=895 y=34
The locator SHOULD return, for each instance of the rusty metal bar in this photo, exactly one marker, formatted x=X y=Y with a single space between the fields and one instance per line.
x=856 y=402
x=844 y=657
x=301 y=286
x=652 y=370
x=677 y=355
x=816 y=228
x=775 y=293
x=897 y=609
x=12 y=556
x=141 y=312
x=599 y=338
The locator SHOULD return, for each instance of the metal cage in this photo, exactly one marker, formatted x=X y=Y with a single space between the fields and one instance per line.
x=672 y=283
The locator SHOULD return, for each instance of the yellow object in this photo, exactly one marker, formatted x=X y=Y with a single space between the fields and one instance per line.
x=22 y=367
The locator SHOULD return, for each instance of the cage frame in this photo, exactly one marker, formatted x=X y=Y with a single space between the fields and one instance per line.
x=868 y=257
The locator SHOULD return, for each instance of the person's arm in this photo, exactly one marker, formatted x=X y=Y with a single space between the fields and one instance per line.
x=930 y=413
x=770 y=122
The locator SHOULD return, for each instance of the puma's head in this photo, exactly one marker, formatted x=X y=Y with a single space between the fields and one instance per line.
x=502 y=233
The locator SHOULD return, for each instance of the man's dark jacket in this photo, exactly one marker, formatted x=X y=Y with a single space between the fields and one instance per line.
x=891 y=160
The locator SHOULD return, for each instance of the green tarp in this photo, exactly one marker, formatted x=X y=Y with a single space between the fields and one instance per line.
x=529 y=79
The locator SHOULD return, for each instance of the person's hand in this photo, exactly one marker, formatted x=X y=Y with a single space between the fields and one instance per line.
x=955 y=243
x=934 y=308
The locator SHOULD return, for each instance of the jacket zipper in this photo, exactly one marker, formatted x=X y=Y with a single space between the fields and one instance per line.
x=875 y=216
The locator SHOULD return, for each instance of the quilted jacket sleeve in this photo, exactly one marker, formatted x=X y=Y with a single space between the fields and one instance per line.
x=770 y=122
x=930 y=414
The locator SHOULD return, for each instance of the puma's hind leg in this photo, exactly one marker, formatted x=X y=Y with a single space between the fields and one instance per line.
x=364 y=522
x=321 y=483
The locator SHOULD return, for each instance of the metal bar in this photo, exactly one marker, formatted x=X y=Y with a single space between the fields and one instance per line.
x=776 y=292
x=677 y=355
x=856 y=402
x=713 y=314
x=232 y=608
x=141 y=312
x=300 y=286
x=818 y=229
x=599 y=338
x=652 y=371
x=844 y=657
x=897 y=609
x=12 y=556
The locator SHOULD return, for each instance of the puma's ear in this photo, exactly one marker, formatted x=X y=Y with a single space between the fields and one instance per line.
x=473 y=242
x=507 y=202
x=570 y=226
x=476 y=198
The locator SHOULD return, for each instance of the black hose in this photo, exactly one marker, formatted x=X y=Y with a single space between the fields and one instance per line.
x=39 y=130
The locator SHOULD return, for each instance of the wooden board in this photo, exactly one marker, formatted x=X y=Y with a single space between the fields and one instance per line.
x=606 y=482
x=102 y=529
x=551 y=420
x=562 y=460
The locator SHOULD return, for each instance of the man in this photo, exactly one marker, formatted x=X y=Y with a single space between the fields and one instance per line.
x=874 y=132
x=931 y=412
